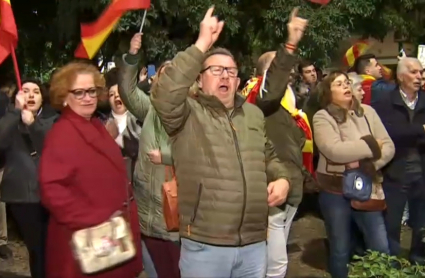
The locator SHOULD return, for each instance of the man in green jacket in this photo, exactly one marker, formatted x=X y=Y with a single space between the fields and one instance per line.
x=227 y=170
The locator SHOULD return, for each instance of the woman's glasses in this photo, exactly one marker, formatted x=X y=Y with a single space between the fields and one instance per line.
x=91 y=92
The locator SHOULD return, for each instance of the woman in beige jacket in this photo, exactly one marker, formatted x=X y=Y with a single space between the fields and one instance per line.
x=349 y=135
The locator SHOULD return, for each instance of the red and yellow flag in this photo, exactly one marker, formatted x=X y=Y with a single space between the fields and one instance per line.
x=386 y=72
x=8 y=30
x=354 y=52
x=93 y=35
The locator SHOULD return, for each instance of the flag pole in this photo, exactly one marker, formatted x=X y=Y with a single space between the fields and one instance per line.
x=15 y=65
x=143 y=21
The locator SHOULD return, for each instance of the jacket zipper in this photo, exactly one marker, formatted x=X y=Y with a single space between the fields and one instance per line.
x=238 y=152
x=195 y=210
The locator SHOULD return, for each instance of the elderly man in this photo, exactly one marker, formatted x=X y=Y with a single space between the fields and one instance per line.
x=227 y=170
x=403 y=113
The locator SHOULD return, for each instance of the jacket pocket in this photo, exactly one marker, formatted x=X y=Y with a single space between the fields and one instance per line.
x=198 y=200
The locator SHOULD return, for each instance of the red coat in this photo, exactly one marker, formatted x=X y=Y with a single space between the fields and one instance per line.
x=83 y=182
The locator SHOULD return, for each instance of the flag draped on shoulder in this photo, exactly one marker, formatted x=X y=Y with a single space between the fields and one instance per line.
x=8 y=30
x=93 y=35
x=255 y=87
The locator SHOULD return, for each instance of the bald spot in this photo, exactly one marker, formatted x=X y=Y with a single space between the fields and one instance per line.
x=264 y=62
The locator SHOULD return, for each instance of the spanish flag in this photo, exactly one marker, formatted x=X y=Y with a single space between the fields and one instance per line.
x=354 y=52
x=8 y=30
x=386 y=72
x=93 y=35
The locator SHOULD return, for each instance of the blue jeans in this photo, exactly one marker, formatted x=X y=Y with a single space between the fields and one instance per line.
x=396 y=197
x=338 y=216
x=205 y=261
x=148 y=263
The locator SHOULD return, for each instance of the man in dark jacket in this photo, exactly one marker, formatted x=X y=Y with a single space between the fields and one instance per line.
x=402 y=111
x=278 y=102
x=373 y=84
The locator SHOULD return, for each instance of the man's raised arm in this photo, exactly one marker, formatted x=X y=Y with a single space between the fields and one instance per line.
x=136 y=101
x=169 y=94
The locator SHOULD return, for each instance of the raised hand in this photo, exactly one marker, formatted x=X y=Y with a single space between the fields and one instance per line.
x=135 y=43
x=210 y=29
x=143 y=74
x=20 y=100
x=296 y=27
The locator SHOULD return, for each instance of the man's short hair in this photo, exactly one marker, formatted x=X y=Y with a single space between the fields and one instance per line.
x=219 y=51
x=303 y=64
x=362 y=62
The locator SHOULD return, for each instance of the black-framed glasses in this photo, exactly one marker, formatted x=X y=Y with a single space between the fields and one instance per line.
x=91 y=92
x=218 y=70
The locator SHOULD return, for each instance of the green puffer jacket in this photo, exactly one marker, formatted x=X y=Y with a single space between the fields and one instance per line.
x=223 y=159
x=148 y=177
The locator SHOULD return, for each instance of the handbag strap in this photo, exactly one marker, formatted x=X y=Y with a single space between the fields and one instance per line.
x=169 y=173
x=368 y=125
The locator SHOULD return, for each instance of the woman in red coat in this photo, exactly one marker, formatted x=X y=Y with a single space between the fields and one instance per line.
x=83 y=178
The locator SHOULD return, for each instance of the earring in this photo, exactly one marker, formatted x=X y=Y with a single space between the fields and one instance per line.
x=65 y=104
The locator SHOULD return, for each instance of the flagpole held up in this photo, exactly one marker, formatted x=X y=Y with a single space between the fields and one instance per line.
x=143 y=21
x=15 y=65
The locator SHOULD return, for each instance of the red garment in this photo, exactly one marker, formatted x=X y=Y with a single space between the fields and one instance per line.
x=252 y=97
x=83 y=181
x=367 y=88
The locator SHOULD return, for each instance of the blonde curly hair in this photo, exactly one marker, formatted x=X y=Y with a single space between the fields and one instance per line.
x=63 y=79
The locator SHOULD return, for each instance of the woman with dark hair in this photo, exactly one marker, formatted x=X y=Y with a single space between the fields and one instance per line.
x=22 y=132
x=128 y=127
x=349 y=135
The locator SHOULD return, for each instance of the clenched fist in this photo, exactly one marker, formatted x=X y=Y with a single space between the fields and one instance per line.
x=210 y=29
x=135 y=43
x=27 y=117
x=155 y=156
x=278 y=192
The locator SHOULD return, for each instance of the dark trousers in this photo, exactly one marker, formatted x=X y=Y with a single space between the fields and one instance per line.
x=32 y=224
x=165 y=256
x=396 y=197
x=338 y=217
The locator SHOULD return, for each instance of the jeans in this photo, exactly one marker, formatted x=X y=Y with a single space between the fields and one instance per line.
x=148 y=263
x=201 y=260
x=338 y=216
x=396 y=197
x=279 y=225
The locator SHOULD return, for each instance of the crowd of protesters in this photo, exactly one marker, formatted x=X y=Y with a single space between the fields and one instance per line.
x=93 y=149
